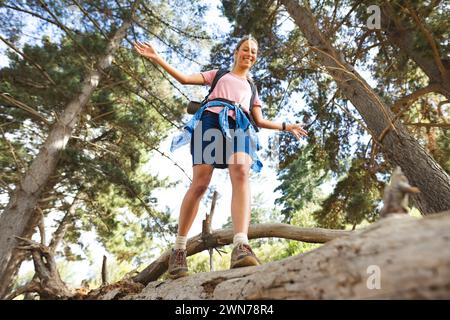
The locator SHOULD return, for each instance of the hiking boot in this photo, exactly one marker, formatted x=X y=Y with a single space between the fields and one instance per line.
x=243 y=256
x=177 y=264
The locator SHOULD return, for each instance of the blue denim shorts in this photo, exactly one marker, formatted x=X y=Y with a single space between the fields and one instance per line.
x=211 y=146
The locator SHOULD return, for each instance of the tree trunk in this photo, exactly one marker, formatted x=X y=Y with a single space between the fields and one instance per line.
x=399 y=257
x=57 y=237
x=19 y=214
x=398 y=146
x=47 y=281
x=223 y=237
x=19 y=256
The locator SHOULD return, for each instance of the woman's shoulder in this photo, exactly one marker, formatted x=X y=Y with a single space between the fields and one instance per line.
x=209 y=75
x=212 y=71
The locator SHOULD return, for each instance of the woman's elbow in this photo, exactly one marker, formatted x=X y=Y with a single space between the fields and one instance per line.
x=259 y=123
x=182 y=80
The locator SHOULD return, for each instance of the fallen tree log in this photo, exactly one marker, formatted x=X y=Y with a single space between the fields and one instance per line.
x=223 y=237
x=397 y=257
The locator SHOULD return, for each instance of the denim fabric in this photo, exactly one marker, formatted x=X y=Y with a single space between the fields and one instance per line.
x=242 y=125
x=213 y=143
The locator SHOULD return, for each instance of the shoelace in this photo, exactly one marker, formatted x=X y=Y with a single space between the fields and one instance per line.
x=246 y=248
x=180 y=256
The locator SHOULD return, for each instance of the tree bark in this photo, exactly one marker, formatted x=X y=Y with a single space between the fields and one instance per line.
x=399 y=257
x=47 y=281
x=19 y=215
x=223 y=237
x=398 y=146
x=57 y=237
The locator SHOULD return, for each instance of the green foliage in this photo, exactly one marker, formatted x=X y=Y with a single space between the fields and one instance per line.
x=354 y=199
x=300 y=181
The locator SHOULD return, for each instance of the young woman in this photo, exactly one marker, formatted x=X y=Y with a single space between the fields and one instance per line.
x=226 y=111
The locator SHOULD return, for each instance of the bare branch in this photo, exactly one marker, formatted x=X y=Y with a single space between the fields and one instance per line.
x=90 y=19
x=104 y=272
x=30 y=13
x=59 y=233
x=50 y=285
x=429 y=125
x=225 y=236
x=32 y=286
x=430 y=40
x=206 y=228
x=41 y=225
x=177 y=30
x=18 y=161
x=409 y=99
x=24 y=107
x=343 y=20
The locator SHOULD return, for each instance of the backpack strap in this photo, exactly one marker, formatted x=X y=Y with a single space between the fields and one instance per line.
x=219 y=74
x=254 y=90
x=252 y=101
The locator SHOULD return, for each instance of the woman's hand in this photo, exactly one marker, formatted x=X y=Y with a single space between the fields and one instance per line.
x=296 y=130
x=146 y=49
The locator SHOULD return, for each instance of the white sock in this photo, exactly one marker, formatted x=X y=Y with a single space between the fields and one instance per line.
x=180 y=242
x=240 y=238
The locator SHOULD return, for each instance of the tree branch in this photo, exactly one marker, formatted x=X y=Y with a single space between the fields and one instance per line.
x=409 y=99
x=430 y=40
x=382 y=261
x=206 y=228
x=41 y=225
x=59 y=233
x=224 y=237
x=24 y=107
x=429 y=125
x=104 y=271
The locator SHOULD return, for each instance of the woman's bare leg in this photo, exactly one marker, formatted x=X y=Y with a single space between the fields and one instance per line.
x=242 y=255
x=202 y=174
x=239 y=167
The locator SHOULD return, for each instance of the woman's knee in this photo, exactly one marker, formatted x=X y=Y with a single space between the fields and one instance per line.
x=199 y=187
x=239 y=173
x=200 y=182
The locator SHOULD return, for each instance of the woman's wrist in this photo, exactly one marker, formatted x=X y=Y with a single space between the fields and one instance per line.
x=283 y=126
x=156 y=59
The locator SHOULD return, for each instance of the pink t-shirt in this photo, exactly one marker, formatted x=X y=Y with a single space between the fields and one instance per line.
x=230 y=87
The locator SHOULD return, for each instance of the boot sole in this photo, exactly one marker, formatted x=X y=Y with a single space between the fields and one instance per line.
x=245 y=262
x=178 y=275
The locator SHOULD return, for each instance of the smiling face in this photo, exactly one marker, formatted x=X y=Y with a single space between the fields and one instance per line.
x=245 y=56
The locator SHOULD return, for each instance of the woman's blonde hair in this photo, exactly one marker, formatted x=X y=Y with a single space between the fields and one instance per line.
x=239 y=44
x=243 y=39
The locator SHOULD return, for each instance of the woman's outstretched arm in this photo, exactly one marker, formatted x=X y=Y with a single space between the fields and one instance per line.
x=294 y=128
x=147 y=50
